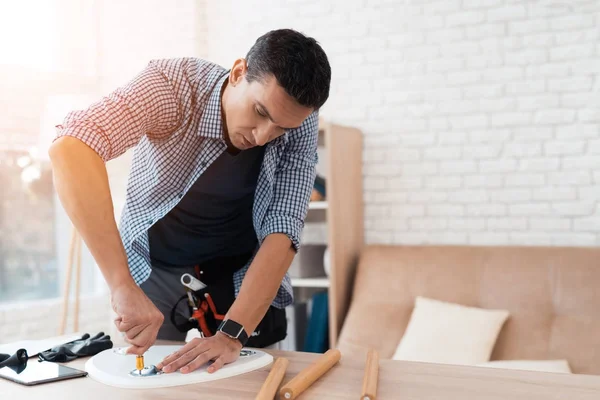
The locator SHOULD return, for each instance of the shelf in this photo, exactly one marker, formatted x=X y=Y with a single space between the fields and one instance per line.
x=317 y=205
x=319 y=282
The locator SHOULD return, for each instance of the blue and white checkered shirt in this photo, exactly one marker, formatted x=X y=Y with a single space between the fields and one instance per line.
x=171 y=113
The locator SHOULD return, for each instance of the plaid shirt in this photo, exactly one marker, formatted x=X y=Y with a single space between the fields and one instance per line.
x=171 y=113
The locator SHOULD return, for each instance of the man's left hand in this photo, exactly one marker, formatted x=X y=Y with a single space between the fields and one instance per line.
x=219 y=348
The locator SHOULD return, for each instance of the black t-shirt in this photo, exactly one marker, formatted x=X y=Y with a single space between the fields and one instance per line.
x=214 y=218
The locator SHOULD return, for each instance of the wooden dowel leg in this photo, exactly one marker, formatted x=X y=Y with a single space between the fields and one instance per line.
x=269 y=388
x=309 y=375
x=369 y=386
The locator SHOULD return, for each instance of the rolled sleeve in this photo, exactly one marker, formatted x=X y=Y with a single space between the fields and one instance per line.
x=148 y=104
x=294 y=181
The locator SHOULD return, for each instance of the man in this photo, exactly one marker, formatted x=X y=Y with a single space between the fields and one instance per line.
x=223 y=168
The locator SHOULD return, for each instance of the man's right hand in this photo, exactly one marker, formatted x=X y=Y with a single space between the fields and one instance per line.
x=137 y=317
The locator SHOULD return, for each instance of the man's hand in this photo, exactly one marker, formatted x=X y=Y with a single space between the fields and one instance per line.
x=219 y=348
x=137 y=317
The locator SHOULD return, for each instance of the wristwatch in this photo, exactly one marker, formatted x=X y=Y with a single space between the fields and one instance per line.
x=234 y=330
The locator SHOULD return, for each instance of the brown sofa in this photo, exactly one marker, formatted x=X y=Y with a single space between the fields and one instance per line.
x=552 y=294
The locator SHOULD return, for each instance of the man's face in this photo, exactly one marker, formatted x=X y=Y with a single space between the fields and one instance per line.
x=258 y=112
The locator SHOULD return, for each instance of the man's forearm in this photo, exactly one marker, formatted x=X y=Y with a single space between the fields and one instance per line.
x=81 y=182
x=262 y=281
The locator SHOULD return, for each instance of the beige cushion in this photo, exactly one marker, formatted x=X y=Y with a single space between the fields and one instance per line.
x=448 y=333
x=560 y=366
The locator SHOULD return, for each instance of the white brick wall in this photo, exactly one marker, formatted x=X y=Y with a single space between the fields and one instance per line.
x=481 y=117
x=135 y=31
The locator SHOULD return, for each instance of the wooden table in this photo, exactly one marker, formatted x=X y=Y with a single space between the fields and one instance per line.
x=397 y=380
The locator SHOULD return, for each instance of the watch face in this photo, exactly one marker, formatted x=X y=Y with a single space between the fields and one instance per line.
x=231 y=328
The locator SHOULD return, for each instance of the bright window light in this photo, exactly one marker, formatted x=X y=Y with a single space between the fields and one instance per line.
x=28 y=29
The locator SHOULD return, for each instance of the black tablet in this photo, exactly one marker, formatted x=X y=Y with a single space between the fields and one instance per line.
x=35 y=373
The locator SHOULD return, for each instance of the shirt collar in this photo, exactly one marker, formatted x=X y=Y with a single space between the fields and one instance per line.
x=211 y=123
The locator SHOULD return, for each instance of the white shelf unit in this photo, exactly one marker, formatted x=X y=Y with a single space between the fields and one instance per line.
x=340 y=163
x=317 y=205
x=319 y=282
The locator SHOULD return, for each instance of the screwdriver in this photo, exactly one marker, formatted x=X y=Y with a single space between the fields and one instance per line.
x=139 y=363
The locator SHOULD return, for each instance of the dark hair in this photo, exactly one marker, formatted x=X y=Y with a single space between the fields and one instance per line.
x=298 y=63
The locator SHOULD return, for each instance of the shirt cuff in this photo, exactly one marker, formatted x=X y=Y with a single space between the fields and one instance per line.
x=289 y=226
x=90 y=135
